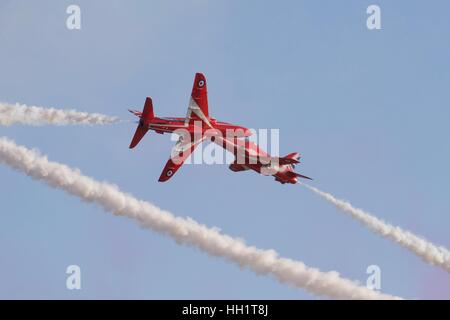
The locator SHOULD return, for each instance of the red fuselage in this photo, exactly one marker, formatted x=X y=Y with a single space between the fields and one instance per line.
x=171 y=125
x=248 y=155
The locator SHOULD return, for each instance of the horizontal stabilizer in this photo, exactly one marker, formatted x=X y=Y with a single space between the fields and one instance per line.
x=291 y=158
x=295 y=174
x=135 y=112
x=138 y=135
x=284 y=161
x=302 y=176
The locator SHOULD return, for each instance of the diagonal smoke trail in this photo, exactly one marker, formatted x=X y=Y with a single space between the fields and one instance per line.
x=429 y=252
x=183 y=230
x=31 y=115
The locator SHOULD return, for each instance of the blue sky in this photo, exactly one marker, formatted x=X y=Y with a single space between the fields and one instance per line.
x=368 y=110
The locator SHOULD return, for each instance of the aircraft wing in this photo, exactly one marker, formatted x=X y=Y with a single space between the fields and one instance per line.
x=180 y=152
x=198 y=103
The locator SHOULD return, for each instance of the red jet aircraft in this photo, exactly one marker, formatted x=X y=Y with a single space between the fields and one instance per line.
x=198 y=126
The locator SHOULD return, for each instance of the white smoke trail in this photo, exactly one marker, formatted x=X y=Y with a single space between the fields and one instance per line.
x=429 y=252
x=183 y=230
x=31 y=115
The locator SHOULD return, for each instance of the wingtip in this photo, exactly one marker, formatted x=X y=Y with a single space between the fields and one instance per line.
x=200 y=76
x=162 y=179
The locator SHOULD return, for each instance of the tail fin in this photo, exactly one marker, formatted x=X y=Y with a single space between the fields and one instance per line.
x=146 y=117
x=148 y=114
x=291 y=158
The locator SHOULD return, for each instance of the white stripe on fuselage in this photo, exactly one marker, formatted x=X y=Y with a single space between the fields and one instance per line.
x=194 y=108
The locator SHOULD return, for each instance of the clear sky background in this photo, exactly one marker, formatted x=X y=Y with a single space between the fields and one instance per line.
x=368 y=110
